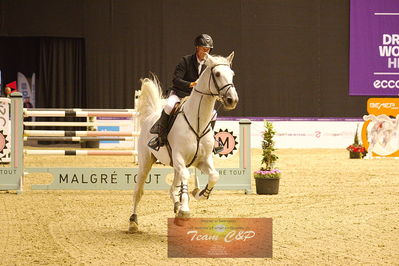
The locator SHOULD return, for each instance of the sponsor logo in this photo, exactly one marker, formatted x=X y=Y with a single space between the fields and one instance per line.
x=386 y=84
x=4 y=147
x=227 y=140
x=387 y=106
x=383 y=105
x=2 y=141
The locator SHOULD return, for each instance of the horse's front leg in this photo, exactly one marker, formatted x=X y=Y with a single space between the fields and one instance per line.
x=175 y=192
x=183 y=174
x=208 y=168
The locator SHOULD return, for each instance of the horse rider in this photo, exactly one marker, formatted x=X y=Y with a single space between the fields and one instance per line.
x=185 y=76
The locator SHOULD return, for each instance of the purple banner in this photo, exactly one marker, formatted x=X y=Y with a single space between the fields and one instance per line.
x=374 y=47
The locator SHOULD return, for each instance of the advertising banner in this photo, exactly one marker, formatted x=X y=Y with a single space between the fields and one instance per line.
x=220 y=238
x=25 y=88
x=380 y=129
x=374 y=47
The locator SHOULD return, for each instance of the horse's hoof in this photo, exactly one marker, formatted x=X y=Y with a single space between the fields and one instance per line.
x=183 y=214
x=177 y=207
x=179 y=221
x=181 y=218
x=195 y=193
x=133 y=227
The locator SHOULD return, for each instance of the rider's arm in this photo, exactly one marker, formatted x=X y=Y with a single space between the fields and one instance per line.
x=180 y=71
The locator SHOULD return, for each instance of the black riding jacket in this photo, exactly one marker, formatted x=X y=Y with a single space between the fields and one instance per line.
x=185 y=73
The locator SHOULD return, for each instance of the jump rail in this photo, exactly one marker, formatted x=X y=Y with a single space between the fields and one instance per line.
x=80 y=152
x=78 y=139
x=74 y=133
x=71 y=113
x=73 y=124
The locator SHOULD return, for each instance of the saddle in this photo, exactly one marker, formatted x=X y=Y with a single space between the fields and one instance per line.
x=173 y=115
x=172 y=118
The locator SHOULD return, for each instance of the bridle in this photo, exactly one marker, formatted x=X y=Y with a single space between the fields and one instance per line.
x=218 y=88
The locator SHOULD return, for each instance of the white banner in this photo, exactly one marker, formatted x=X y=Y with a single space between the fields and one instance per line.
x=25 y=88
x=302 y=134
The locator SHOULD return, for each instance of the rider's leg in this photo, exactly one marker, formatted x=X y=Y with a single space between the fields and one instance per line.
x=160 y=127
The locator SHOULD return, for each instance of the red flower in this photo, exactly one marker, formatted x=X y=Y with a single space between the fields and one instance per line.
x=355 y=148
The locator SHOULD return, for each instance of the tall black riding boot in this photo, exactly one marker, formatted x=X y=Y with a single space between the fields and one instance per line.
x=160 y=127
x=220 y=147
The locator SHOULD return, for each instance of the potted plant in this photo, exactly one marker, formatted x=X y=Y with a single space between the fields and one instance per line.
x=356 y=150
x=267 y=178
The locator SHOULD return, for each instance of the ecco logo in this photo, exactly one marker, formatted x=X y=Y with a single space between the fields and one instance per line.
x=391 y=84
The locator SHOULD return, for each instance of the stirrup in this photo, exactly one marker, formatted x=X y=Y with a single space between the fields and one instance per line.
x=154 y=144
x=219 y=148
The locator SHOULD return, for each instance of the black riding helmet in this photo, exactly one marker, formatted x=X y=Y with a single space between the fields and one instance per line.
x=204 y=40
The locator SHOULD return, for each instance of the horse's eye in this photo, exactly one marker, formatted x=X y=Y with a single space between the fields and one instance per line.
x=217 y=74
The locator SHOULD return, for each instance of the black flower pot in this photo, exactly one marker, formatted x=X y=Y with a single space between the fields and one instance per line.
x=267 y=186
x=355 y=155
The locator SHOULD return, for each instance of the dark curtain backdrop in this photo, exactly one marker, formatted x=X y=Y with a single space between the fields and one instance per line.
x=291 y=55
x=59 y=64
x=18 y=55
x=62 y=81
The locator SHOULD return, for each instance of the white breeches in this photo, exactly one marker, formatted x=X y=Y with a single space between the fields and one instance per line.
x=170 y=103
x=173 y=99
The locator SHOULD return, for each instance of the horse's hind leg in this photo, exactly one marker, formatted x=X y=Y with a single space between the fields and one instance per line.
x=208 y=168
x=145 y=163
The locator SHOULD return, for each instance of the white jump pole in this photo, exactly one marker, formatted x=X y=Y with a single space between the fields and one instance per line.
x=77 y=139
x=63 y=133
x=76 y=124
x=79 y=114
x=81 y=152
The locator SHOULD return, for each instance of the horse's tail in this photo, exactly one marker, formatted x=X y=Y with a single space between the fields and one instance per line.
x=149 y=103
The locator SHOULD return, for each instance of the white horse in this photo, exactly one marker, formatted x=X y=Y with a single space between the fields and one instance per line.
x=191 y=138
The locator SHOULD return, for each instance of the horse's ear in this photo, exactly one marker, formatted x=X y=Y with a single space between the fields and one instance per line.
x=208 y=59
x=230 y=58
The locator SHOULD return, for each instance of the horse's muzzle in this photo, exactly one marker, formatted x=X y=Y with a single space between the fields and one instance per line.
x=230 y=103
x=230 y=100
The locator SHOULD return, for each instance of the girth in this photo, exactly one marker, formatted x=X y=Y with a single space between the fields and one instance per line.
x=177 y=109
